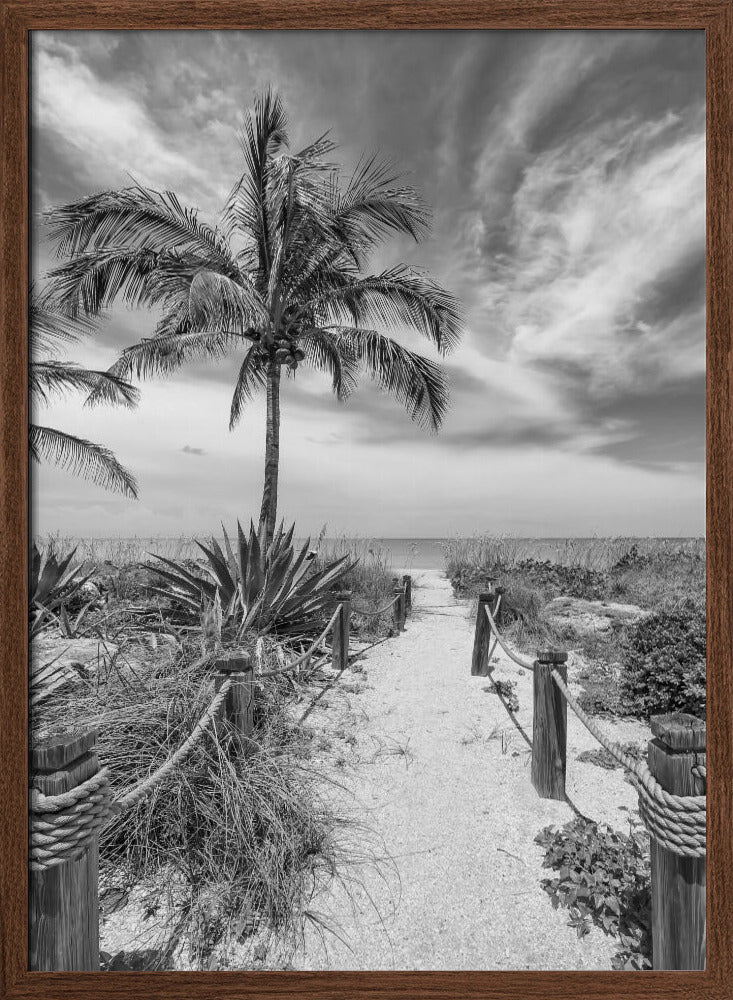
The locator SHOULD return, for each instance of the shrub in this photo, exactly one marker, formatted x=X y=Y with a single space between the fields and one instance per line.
x=53 y=583
x=256 y=586
x=604 y=878
x=663 y=664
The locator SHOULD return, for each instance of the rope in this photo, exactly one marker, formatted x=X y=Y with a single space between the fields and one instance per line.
x=380 y=611
x=143 y=788
x=527 y=664
x=677 y=822
x=63 y=825
x=304 y=656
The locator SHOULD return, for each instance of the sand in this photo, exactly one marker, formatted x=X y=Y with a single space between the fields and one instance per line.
x=434 y=768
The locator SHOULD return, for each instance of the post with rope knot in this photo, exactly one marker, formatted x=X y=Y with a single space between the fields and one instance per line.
x=550 y=727
x=237 y=712
x=70 y=801
x=677 y=761
x=398 y=612
x=341 y=631
x=480 y=666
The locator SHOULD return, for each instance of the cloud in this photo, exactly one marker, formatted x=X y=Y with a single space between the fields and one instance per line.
x=104 y=134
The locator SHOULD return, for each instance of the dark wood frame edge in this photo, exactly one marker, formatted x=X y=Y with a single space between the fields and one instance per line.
x=17 y=19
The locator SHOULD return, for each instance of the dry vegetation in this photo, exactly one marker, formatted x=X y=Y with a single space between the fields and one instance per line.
x=224 y=855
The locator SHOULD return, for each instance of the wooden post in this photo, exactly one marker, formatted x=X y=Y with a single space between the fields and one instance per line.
x=341 y=629
x=678 y=883
x=480 y=666
x=238 y=708
x=550 y=726
x=499 y=617
x=63 y=909
x=407 y=584
x=399 y=607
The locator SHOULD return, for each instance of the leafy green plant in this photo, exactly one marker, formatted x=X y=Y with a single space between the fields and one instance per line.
x=507 y=691
x=53 y=582
x=604 y=878
x=663 y=663
x=256 y=586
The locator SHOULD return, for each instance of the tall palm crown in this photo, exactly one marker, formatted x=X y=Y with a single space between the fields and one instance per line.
x=51 y=376
x=281 y=279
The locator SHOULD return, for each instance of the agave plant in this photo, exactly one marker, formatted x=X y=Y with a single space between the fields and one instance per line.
x=258 y=586
x=52 y=583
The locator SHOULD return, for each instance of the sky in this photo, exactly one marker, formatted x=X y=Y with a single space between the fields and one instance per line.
x=566 y=175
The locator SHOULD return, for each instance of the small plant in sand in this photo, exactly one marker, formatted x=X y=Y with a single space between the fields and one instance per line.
x=604 y=878
x=256 y=586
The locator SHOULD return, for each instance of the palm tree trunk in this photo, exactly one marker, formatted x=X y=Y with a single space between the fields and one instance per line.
x=272 y=452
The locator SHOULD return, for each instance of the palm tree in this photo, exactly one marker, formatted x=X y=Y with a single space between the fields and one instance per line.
x=50 y=376
x=281 y=279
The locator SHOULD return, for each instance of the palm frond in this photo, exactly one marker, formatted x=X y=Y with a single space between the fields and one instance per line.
x=135 y=218
x=163 y=355
x=49 y=328
x=327 y=352
x=89 y=282
x=252 y=376
x=264 y=134
x=415 y=381
x=82 y=458
x=47 y=378
x=217 y=301
x=397 y=297
x=373 y=205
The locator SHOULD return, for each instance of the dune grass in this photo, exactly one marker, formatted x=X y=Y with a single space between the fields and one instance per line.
x=233 y=850
x=371 y=580
x=653 y=574
x=649 y=572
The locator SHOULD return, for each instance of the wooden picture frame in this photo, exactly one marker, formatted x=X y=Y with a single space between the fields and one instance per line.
x=19 y=17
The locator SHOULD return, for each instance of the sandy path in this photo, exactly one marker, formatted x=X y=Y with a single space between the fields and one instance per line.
x=440 y=774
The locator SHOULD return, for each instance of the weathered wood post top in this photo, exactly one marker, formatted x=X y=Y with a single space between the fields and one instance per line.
x=480 y=666
x=341 y=631
x=238 y=709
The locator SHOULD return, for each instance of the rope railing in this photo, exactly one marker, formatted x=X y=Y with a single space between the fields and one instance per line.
x=143 y=788
x=62 y=824
x=527 y=664
x=667 y=784
x=294 y=664
x=678 y=822
x=379 y=611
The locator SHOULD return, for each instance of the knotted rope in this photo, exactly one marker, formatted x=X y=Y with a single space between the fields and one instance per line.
x=62 y=825
x=677 y=822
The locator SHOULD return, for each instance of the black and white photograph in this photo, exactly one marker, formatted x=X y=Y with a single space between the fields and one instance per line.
x=367 y=591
